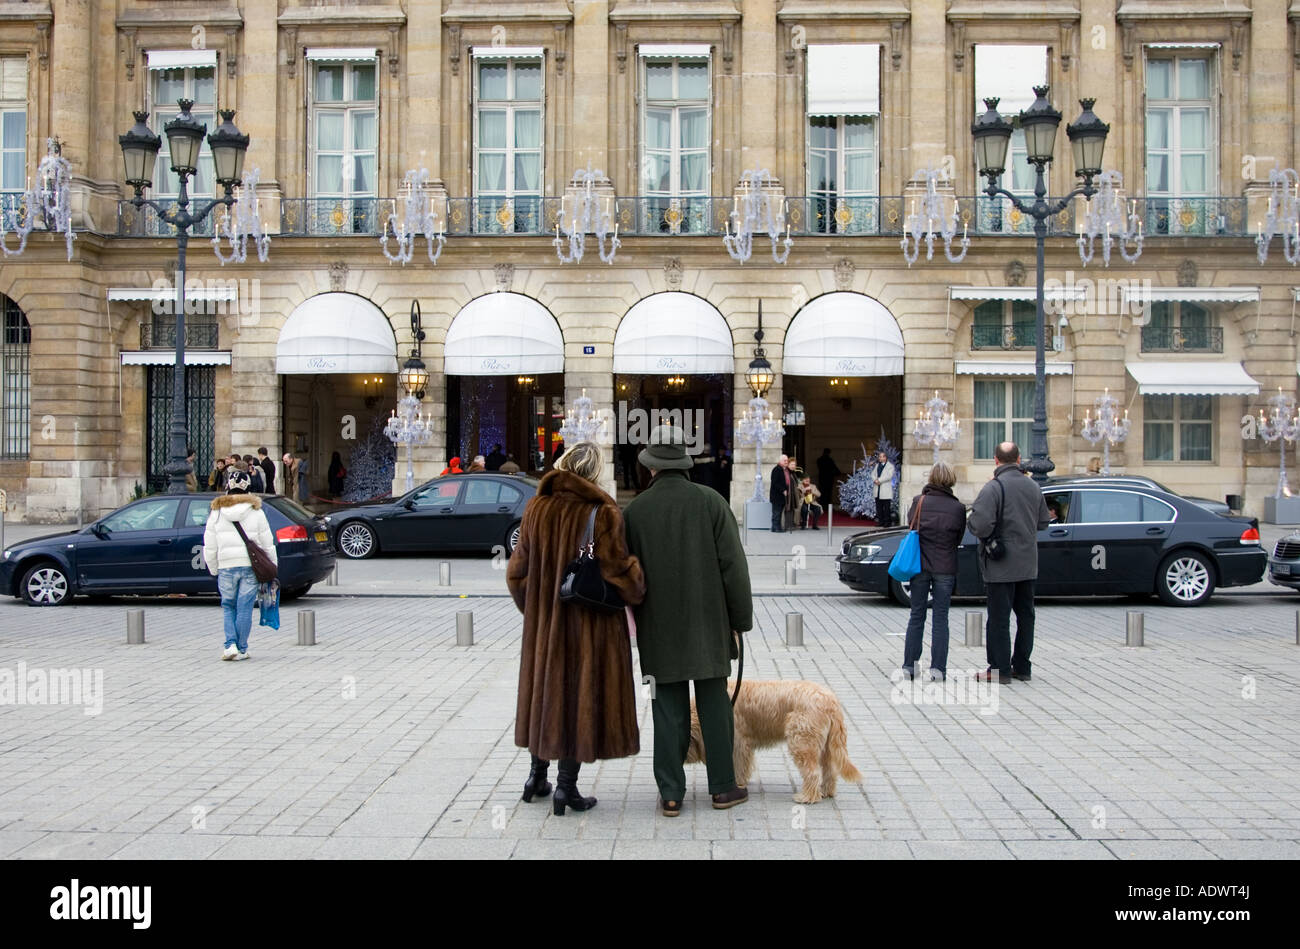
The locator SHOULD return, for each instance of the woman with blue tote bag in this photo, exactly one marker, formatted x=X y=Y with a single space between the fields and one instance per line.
x=938 y=521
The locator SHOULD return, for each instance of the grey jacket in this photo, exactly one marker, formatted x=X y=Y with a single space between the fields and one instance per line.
x=1023 y=516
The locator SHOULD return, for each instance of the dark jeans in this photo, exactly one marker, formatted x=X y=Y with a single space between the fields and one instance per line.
x=942 y=584
x=883 y=518
x=1003 y=599
x=808 y=515
x=778 y=517
x=671 y=706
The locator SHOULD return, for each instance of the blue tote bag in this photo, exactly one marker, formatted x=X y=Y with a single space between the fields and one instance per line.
x=907 y=560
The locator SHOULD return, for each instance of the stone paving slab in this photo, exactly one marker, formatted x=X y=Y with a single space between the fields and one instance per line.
x=387 y=740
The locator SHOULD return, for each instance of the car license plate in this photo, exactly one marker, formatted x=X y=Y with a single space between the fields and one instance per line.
x=321 y=536
x=1282 y=568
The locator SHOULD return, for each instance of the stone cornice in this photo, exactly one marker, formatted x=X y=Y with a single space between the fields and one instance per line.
x=1013 y=10
x=1181 y=9
x=162 y=19
x=383 y=15
x=638 y=10
x=830 y=10
x=476 y=11
x=39 y=12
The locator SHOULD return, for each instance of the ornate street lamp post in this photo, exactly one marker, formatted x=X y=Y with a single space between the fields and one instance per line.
x=407 y=425
x=992 y=134
x=757 y=427
x=139 y=152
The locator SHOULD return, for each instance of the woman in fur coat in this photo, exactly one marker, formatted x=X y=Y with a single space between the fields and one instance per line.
x=226 y=556
x=576 y=689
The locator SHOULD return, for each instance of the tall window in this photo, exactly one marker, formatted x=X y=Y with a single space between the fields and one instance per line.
x=15 y=382
x=843 y=119
x=166 y=86
x=508 y=145
x=1004 y=411
x=13 y=123
x=1009 y=73
x=344 y=142
x=1180 y=326
x=675 y=134
x=1178 y=427
x=1005 y=324
x=1180 y=132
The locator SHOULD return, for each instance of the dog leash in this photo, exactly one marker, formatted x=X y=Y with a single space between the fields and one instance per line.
x=740 y=664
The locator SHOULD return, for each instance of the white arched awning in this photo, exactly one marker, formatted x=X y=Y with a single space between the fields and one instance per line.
x=843 y=334
x=673 y=332
x=502 y=333
x=336 y=332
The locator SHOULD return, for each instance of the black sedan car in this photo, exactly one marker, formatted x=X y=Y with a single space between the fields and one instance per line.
x=1284 y=564
x=1106 y=538
x=155 y=546
x=1218 y=507
x=478 y=511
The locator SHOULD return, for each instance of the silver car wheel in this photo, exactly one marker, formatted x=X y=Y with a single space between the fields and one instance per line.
x=1187 y=579
x=47 y=586
x=356 y=540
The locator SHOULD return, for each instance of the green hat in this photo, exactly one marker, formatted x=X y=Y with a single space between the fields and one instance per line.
x=667 y=449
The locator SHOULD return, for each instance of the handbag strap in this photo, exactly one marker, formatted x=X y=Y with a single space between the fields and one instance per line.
x=589 y=535
x=247 y=543
x=997 y=525
x=916 y=516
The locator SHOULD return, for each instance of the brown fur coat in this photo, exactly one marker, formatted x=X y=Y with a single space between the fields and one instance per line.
x=576 y=689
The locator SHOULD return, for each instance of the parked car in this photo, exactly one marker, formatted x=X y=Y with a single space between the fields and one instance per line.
x=1218 y=507
x=479 y=511
x=154 y=546
x=1284 y=563
x=1107 y=538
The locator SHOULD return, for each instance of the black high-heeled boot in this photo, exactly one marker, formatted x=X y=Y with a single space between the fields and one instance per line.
x=566 y=790
x=537 y=785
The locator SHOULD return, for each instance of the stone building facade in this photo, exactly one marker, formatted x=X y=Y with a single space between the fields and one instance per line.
x=673 y=101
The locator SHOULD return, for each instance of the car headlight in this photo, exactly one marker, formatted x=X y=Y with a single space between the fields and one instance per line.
x=7 y=554
x=862 y=552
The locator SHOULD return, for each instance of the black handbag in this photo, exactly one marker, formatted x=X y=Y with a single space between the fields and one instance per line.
x=995 y=548
x=264 y=568
x=582 y=584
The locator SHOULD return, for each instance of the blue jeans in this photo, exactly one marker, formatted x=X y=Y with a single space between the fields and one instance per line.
x=942 y=584
x=238 y=589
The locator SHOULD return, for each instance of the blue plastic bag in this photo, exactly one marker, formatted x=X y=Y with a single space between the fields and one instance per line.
x=907 y=561
x=268 y=602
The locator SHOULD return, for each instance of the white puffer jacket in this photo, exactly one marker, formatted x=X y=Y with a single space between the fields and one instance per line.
x=222 y=545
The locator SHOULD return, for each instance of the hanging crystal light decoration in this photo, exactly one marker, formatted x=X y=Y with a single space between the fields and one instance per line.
x=1283 y=215
x=584 y=213
x=936 y=426
x=1105 y=218
x=418 y=218
x=753 y=213
x=50 y=199
x=921 y=223
x=582 y=423
x=241 y=222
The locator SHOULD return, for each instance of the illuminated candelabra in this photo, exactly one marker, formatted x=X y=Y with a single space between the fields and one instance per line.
x=581 y=423
x=757 y=427
x=1283 y=215
x=754 y=213
x=241 y=222
x=1105 y=219
x=418 y=218
x=585 y=214
x=1282 y=426
x=49 y=200
x=920 y=224
x=408 y=426
x=1107 y=428
x=936 y=426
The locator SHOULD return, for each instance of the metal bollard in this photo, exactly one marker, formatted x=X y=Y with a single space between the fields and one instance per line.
x=974 y=629
x=444 y=573
x=134 y=627
x=794 y=629
x=790 y=573
x=333 y=579
x=1297 y=627
x=306 y=627
x=464 y=627
x=1134 y=632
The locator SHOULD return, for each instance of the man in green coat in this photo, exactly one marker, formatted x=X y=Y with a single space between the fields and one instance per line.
x=697 y=593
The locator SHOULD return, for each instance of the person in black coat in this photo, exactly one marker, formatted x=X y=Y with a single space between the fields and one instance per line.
x=268 y=469
x=827 y=472
x=779 y=493
x=940 y=520
x=336 y=474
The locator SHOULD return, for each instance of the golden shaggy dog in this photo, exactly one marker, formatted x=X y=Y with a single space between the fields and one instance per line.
x=806 y=716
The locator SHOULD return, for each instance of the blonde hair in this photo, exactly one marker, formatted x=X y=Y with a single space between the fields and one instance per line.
x=582 y=459
x=942 y=476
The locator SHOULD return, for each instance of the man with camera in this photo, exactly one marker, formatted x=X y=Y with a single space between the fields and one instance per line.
x=1006 y=517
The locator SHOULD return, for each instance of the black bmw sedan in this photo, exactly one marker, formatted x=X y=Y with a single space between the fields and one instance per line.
x=478 y=511
x=154 y=546
x=1106 y=538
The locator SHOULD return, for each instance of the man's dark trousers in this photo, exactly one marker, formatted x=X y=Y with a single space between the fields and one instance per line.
x=1003 y=599
x=778 y=517
x=672 y=717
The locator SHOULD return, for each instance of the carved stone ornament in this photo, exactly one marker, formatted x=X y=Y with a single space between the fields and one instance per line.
x=505 y=275
x=673 y=273
x=844 y=271
x=1014 y=274
x=1187 y=273
x=338 y=275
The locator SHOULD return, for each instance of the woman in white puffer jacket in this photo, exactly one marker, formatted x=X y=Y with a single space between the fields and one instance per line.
x=226 y=555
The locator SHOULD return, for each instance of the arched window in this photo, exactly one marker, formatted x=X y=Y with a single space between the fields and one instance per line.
x=15 y=383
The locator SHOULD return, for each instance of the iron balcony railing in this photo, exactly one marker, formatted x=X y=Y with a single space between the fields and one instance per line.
x=144 y=221
x=161 y=334
x=1015 y=336
x=659 y=215
x=1186 y=339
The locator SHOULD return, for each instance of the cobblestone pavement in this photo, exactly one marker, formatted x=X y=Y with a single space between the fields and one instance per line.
x=388 y=740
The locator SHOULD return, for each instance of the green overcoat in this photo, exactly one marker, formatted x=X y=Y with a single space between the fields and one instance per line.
x=697 y=579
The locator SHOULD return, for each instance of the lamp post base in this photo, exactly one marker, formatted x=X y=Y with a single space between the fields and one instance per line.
x=1039 y=468
x=1282 y=510
x=758 y=515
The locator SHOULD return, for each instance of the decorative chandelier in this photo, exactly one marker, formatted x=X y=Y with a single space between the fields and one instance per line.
x=1107 y=428
x=408 y=426
x=581 y=423
x=754 y=212
x=418 y=218
x=757 y=427
x=585 y=214
x=240 y=222
x=1105 y=218
x=1283 y=215
x=1282 y=427
x=936 y=426
x=932 y=210
x=50 y=198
